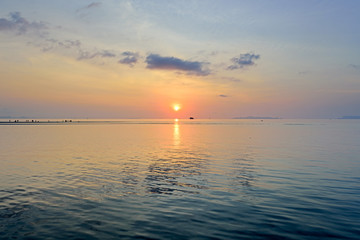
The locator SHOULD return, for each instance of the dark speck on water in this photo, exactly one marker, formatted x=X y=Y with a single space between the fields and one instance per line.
x=186 y=179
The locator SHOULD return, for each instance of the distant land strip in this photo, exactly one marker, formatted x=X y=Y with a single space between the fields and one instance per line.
x=350 y=117
x=252 y=117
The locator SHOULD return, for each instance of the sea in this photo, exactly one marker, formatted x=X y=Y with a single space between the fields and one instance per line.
x=180 y=179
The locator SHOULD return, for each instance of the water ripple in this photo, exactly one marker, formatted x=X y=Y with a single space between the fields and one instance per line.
x=194 y=181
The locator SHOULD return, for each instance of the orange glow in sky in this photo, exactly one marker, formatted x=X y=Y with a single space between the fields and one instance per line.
x=168 y=72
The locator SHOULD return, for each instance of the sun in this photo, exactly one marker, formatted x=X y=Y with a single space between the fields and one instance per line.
x=176 y=107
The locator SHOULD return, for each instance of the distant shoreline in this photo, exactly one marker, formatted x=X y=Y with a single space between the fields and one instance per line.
x=20 y=121
x=35 y=122
x=251 y=117
x=350 y=117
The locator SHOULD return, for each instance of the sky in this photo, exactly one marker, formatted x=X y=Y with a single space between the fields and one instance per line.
x=213 y=58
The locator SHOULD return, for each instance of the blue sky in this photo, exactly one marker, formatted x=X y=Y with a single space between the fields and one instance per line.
x=218 y=59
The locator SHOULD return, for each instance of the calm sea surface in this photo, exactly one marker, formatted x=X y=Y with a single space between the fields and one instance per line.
x=191 y=179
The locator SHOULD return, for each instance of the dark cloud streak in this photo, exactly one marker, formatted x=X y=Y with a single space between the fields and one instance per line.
x=245 y=60
x=232 y=79
x=155 y=61
x=85 y=55
x=20 y=25
x=129 y=58
x=89 y=6
x=303 y=72
x=50 y=44
x=354 y=66
x=94 y=4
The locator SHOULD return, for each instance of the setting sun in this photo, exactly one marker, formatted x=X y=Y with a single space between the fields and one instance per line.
x=176 y=107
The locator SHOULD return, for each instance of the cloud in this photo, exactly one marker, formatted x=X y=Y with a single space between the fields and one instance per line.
x=20 y=25
x=232 y=79
x=16 y=23
x=73 y=48
x=303 y=72
x=91 y=5
x=129 y=58
x=245 y=60
x=223 y=95
x=85 y=55
x=155 y=61
x=357 y=67
x=50 y=44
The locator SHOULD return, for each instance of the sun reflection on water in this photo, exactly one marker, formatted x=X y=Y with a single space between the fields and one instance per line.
x=176 y=135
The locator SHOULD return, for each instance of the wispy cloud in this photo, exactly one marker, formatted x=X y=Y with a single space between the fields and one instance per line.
x=46 y=43
x=85 y=55
x=94 y=4
x=50 y=44
x=232 y=79
x=245 y=60
x=355 y=66
x=223 y=95
x=304 y=72
x=75 y=46
x=15 y=22
x=72 y=47
x=155 y=61
x=129 y=58
x=91 y=5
